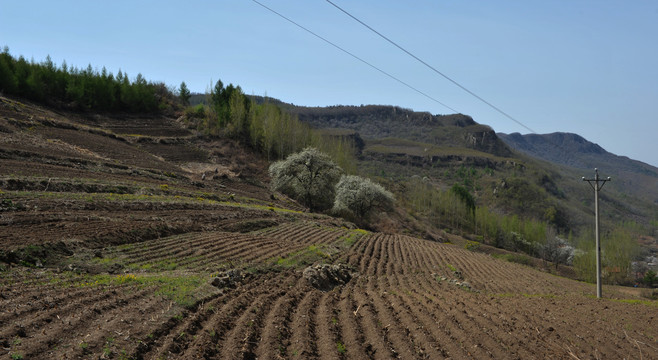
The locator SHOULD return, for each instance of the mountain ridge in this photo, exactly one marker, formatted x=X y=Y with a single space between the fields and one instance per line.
x=575 y=151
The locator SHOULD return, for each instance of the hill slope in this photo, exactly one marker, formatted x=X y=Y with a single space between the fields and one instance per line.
x=111 y=239
x=399 y=143
x=634 y=177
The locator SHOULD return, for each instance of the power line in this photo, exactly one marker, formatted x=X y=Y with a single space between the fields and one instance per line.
x=431 y=67
x=356 y=57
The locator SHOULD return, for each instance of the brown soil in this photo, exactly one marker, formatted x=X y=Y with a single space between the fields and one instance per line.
x=108 y=247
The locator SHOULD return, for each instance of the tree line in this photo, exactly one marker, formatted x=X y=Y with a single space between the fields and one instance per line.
x=81 y=89
x=264 y=126
x=454 y=209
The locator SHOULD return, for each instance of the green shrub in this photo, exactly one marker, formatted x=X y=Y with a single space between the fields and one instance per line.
x=472 y=245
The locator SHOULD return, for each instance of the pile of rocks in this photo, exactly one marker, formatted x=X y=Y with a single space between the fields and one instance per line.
x=325 y=276
x=228 y=279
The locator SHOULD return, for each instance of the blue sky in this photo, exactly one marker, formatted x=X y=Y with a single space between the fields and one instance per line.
x=587 y=67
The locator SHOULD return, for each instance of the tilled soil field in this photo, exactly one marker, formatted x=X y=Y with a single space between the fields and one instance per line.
x=404 y=301
x=133 y=238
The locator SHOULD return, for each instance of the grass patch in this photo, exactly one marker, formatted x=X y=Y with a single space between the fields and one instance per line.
x=160 y=265
x=515 y=258
x=341 y=347
x=352 y=237
x=542 y=296
x=113 y=197
x=472 y=245
x=315 y=253
x=179 y=288
x=304 y=257
x=637 y=302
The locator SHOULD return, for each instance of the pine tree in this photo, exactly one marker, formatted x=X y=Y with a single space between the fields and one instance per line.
x=184 y=94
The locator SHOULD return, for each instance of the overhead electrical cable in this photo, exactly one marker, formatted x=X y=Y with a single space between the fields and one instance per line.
x=431 y=67
x=356 y=57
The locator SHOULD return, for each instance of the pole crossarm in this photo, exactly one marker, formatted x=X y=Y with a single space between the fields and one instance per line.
x=597 y=184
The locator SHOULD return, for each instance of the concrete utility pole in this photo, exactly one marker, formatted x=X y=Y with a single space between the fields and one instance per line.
x=597 y=185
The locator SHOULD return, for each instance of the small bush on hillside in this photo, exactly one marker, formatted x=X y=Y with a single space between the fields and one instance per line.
x=472 y=245
x=198 y=111
x=650 y=278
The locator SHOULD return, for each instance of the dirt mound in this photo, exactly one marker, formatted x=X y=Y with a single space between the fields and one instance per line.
x=229 y=278
x=326 y=277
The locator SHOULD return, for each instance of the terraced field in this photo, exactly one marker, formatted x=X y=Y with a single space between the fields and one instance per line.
x=110 y=245
x=401 y=304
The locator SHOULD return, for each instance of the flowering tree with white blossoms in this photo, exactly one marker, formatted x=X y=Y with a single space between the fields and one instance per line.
x=309 y=176
x=360 y=196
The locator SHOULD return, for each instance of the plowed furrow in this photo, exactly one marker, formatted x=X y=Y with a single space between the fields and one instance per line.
x=408 y=247
x=428 y=285
x=421 y=311
x=242 y=340
x=439 y=253
x=351 y=334
x=275 y=232
x=156 y=245
x=276 y=334
x=123 y=333
x=232 y=248
x=304 y=336
x=412 y=318
x=235 y=245
x=290 y=233
x=239 y=252
x=211 y=249
x=390 y=258
x=70 y=330
x=173 y=248
x=305 y=235
x=327 y=326
x=206 y=324
x=402 y=345
x=71 y=305
x=375 y=336
x=417 y=313
x=380 y=263
x=178 y=248
x=365 y=253
x=35 y=300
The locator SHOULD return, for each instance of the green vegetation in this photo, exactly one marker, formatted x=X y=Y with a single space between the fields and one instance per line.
x=178 y=288
x=619 y=249
x=70 y=87
x=650 y=278
x=515 y=258
x=472 y=245
x=352 y=237
x=305 y=257
x=455 y=209
x=317 y=253
x=184 y=94
x=107 y=348
x=341 y=348
x=264 y=126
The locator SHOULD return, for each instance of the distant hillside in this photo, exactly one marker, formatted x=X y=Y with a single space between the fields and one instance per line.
x=630 y=176
x=380 y=122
